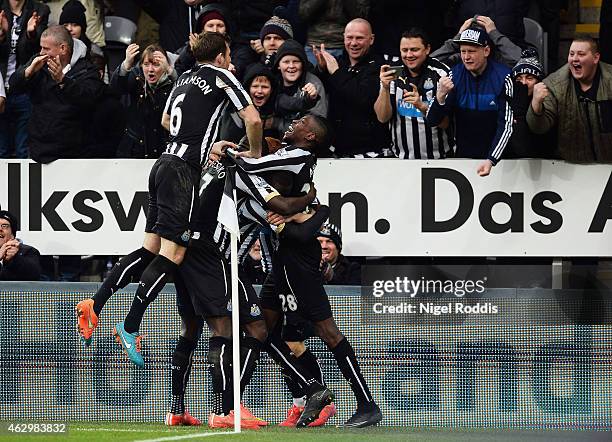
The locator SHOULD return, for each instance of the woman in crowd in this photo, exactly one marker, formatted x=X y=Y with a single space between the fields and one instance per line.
x=148 y=86
x=301 y=91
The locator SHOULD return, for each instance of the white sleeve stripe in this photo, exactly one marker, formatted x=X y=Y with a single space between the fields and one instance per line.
x=213 y=123
x=503 y=140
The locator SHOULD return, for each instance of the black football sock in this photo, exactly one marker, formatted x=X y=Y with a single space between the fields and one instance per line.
x=296 y=390
x=310 y=361
x=347 y=362
x=220 y=358
x=279 y=351
x=153 y=279
x=181 y=367
x=127 y=268
x=249 y=355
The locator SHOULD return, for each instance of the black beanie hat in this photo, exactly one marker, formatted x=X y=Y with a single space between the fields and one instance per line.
x=331 y=231
x=529 y=64
x=74 y=12
x=291 y=47
x=8 y=216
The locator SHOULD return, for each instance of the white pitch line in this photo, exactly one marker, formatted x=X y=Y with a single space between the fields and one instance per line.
x=124 y=430
x=187 y=436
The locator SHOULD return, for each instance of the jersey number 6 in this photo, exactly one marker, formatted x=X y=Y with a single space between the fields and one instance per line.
x=176 y=115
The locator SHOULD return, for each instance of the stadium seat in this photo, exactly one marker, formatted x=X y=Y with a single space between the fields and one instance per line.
x=535 y=36
x=119 y=33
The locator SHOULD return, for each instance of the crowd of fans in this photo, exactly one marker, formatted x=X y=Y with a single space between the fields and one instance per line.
x=411 y=80
x=384 y=73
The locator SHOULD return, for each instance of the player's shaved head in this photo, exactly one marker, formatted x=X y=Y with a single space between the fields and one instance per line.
x=322 y=131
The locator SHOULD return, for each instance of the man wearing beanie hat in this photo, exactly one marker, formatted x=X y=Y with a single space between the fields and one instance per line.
x=301 y=91
x=272 y=35
x=214 y=17
x=525 y=143
x=18 y=261
x=337 y=268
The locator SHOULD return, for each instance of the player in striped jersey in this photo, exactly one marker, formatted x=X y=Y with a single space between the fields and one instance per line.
x=203 y=291
x=192 y=116
x=404 y=100
x=298 y=281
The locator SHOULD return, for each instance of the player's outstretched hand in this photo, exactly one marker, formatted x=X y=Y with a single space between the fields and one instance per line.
x=218 y=149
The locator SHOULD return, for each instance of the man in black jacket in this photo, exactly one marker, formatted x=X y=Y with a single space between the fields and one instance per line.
x=352 y=84
x=64 y=88
x=18 y=262
x=21 y=24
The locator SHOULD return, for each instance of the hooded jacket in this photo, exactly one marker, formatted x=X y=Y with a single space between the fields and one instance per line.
x=61 y=113
x=26 y=47
x=584 y=128
x=232 y=126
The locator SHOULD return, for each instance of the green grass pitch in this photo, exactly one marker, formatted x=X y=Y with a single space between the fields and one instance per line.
x=118 y=432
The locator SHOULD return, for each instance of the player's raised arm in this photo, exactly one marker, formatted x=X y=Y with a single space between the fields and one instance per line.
x=254 y=129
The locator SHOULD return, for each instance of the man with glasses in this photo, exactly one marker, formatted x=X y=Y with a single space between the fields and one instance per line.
x=18 y=261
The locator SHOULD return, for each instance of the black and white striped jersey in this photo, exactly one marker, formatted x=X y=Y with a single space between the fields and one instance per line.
x=195 y=107
x=412 y=137
x=298 y=162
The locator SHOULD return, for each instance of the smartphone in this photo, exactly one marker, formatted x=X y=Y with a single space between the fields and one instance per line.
x=397 y=70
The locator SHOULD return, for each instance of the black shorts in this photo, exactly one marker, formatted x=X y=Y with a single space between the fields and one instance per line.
x=172 y=199
x=298 y=329
x=203 y=285
x=299 y=283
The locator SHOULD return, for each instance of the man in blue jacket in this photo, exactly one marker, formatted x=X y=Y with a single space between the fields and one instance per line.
x=477 y=94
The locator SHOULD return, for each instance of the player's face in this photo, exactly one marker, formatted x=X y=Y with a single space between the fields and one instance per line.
x=291 y=68
x=215 y=25
x=255 y=251
x=74 y=29
x=271 y=43
x=193 y=2
x=413 y=52
x=329 y=251
x=357 y=40
x=474 y=57
x=6 y=234
x=152 y=69
x=582 y=61
x=298 y=130
x=528 y=80
x=260 y=91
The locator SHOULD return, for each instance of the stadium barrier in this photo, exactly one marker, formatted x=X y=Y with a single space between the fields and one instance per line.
x=536 y=362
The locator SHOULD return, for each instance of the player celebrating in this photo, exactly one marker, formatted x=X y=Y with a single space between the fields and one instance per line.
x=192 y=116
x=298 y=281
